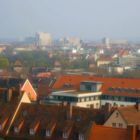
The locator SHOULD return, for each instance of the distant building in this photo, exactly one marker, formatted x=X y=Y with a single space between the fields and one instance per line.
x=43 y=39
x=18 y=67
x=129 y=61
x=104 y=61
x=106 y=42
x=88 y=96
x=70 y=43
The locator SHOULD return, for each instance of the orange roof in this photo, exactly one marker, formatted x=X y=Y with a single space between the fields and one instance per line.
x=99 y=132
x=27 y=87
x=130 y=114
x=107 y=82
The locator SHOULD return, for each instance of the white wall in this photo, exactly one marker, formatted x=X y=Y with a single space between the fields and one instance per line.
x=88 y=103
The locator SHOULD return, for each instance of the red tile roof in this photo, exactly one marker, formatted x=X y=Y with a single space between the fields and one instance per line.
x=130 y=114
x=99 y=132
x=108 y=82
x=55 y=118
x=107 y=133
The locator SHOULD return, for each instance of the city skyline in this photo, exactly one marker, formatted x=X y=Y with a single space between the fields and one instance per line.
x=89 y=19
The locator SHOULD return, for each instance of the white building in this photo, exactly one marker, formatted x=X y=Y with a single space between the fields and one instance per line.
x=106 y=41
x=129 y=61
x=71 y=42
x=43 y=39
x=88 y=96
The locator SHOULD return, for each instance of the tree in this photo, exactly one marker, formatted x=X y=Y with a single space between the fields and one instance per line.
x=4 y=63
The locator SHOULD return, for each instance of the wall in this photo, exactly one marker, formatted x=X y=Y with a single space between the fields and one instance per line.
x=116 y=118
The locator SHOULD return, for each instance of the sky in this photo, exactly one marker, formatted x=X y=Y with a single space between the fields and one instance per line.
x=87 y=19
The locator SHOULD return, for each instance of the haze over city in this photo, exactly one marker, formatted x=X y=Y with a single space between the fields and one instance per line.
x=69 y=70
x=87 y=19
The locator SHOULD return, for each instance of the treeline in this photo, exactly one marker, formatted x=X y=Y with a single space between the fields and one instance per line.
x=42 y=59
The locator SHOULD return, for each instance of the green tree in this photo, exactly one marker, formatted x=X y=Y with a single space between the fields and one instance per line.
x=4 y=63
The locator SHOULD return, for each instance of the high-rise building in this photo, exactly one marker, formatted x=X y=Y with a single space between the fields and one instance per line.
x=71 y=42
x=43 y=39
x=106 y=41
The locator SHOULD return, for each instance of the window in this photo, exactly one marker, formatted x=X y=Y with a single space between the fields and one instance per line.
x=115 y=104
x=116 y=98
x=65 y=135
x=120 y=125
x=79 y=100
x=88 y=87
x=81 y=137
x=96 y=97
x=31 y=132
x=97 y=105
x=92 y=106
x=16 y=130
x=87 y=99
x=110 y=89
x=48 y=133
x=92 y=98
x=113 y=124
x=117 y=114
x=82 y=99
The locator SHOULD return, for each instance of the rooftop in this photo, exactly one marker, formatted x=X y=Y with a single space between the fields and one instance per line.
x=58 y=119
x=108 y=82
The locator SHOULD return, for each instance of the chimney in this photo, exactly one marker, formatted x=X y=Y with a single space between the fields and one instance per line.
x=138 y=106
x=108 y=107
x=9 y=95
x=69 y=111
x=131 y=129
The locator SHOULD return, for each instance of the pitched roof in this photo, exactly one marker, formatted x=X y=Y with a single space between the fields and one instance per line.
x=28 y=88
x=47 y=116
x=6 y=114
x=130 y=114
x=99 y=132
x=108 y=82
x=17 y=63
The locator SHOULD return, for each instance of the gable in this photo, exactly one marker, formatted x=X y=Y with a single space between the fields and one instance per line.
x=117 y=119
x=29 y=90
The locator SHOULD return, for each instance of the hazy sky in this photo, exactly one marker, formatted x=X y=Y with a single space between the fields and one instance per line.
x=87 y=19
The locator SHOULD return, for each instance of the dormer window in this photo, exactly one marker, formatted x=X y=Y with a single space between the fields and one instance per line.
x=32 y=132
x=48 y=134
x=33 y=129
x=81 y=137
x=16 y=130
x=50 y=129
x=3 y=123
x=18 y=127
x=65 y=135
x=67 y=129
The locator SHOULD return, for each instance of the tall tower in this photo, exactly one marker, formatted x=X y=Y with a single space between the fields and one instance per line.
x=106 y=41
x=43 y=39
